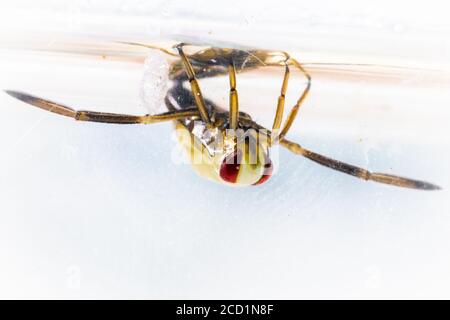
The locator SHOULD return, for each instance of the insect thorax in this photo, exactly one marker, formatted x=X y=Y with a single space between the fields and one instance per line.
x=220 y=140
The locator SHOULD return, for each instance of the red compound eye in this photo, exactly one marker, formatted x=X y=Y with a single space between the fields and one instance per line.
x=268 y=169
x=229 y=169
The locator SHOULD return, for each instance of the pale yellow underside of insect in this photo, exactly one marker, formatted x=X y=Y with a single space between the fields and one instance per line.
x=208 y=166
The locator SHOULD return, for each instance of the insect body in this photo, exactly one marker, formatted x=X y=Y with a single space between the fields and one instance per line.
x=226 y=145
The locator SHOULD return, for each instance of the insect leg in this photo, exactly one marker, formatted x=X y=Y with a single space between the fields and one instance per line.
x=196 y=92
x=293 y=113
x=281 y=100
x=234 y=103
x=130 y=119
x=356 y=171
x=95 y=116
x=345 y=167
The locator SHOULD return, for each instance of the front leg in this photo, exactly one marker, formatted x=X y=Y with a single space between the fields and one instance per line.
x=195 y=87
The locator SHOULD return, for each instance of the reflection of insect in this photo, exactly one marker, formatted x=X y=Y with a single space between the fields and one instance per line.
x=201 y=123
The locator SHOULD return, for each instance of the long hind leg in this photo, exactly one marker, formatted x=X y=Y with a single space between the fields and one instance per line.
x=95 y=116
x=357 y=171
x=348 y=168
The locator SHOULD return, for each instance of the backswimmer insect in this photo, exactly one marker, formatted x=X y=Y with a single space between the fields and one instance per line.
x=234 y=149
